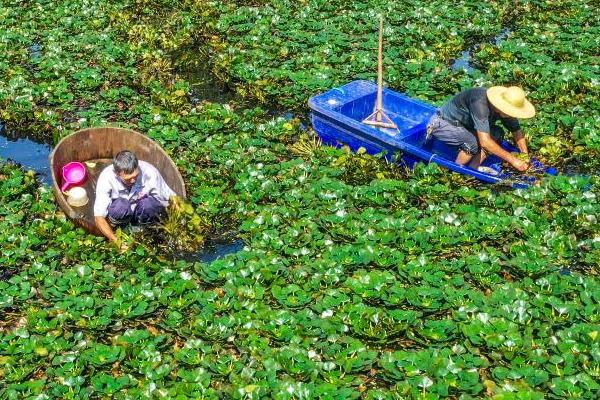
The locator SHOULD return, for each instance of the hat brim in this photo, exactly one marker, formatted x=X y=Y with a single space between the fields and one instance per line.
x=494 y=95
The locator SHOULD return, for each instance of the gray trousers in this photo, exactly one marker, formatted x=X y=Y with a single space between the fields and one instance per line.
x=457 y=135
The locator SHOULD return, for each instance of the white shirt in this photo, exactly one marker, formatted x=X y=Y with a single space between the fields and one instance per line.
x=149 y=182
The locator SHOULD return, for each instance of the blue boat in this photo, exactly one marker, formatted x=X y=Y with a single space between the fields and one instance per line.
x=337 y=116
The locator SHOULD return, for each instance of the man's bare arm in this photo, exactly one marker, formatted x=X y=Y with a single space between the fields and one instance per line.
x=490 y=145
x=106 y=229
x=521 y=141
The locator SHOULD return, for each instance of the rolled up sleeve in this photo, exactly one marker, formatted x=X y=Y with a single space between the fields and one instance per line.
x=158 y=187
x=480 y=113
x=163 y=188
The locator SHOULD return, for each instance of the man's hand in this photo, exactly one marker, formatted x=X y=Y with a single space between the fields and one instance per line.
x=175 y=202
x=520 y=165
x=490 y=145
x=105 y=228
x=121 y=246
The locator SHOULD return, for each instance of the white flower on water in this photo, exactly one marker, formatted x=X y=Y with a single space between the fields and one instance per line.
x=328 y=366
x=375 y=318
x=425 y=382
x=326 y=314
x=450 y=218
x=186 y=276
x=519 y=211
x=483 y=317
x=81 y=270
x=589 y=195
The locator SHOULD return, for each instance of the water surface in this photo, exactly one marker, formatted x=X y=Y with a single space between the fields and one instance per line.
x=23 y=150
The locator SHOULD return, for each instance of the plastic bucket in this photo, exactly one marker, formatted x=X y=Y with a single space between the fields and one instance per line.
x=74 y=173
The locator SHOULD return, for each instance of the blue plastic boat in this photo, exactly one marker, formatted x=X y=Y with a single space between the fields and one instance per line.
x=337 y=117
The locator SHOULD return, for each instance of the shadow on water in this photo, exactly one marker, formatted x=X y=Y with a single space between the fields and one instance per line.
x=205 y=86
x=27 y=152
x=464 y=61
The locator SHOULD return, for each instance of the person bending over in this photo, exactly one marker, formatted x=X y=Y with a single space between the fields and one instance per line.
x=468 y=122
x=129 y=191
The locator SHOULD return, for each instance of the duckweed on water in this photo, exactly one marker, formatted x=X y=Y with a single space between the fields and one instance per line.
x=381 y=285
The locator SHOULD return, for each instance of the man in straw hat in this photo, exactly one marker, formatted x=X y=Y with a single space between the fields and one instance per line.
x=468 y=122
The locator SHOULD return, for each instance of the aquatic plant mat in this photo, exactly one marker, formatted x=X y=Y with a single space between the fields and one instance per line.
x=356 y=278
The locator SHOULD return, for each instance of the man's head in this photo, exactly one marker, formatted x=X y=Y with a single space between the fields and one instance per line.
x=125 y=164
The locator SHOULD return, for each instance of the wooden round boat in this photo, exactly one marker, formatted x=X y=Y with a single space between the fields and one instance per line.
x=96 y=147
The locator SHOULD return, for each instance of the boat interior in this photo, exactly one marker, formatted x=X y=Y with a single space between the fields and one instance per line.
x=411 y=118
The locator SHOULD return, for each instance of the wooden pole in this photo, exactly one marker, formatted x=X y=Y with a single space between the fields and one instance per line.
x=380 y=72
x=378 y=117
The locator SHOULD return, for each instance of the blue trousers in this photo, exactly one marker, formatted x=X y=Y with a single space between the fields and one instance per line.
x=146 y=211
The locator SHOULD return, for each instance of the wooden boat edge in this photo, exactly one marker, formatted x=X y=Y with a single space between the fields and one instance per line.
x=56 y=177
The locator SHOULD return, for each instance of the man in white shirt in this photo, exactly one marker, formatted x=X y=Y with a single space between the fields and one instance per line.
x=129 y=191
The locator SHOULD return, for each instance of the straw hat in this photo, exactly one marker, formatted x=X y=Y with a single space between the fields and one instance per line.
x=77 y=197
x=511 y=101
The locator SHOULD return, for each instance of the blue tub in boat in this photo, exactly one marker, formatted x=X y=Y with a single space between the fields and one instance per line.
x=337 y=116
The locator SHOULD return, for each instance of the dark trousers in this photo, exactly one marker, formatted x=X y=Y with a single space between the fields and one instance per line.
x=146 y=211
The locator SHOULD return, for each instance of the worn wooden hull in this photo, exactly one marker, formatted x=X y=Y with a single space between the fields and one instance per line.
x=96 y=147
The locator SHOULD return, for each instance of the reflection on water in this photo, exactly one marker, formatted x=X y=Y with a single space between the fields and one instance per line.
x=213 y=251
x=29 y=153
x=463 y=62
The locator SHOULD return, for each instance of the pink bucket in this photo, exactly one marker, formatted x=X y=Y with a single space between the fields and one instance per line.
x=74 y=173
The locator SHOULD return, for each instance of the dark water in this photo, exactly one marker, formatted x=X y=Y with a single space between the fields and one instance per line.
x=35 y=51
x=214 y=251
x=205 y=87
x=27 y=152
x=501 y=36
x=464 y=61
